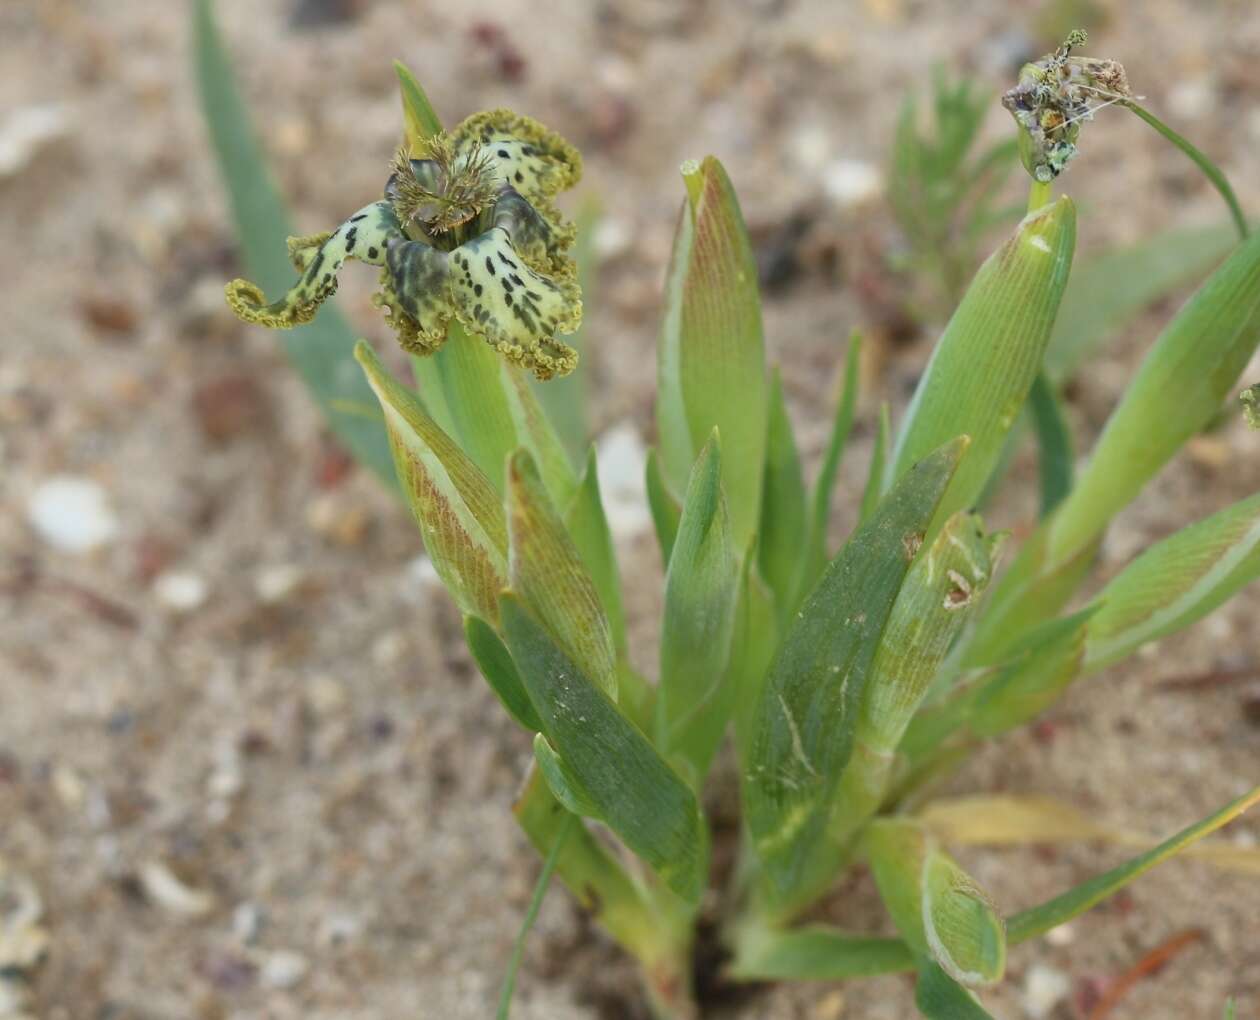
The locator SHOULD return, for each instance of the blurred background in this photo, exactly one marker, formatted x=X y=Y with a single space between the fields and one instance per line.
x=246 y=766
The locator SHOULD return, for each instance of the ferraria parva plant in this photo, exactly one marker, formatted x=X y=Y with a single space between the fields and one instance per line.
x=847 y=680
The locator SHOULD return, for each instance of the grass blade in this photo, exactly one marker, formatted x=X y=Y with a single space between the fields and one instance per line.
x=875 y=474
x=323 y=350
x=939 y=997
x=496 y=665
x=588 y=527
x=779 y=548
x=1040 y=919
x=664 y=507
x=815 y=952
x=531 y=915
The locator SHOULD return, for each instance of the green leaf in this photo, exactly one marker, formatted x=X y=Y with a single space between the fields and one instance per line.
x=565 y=399
x=664 y=507
x=936 y=600
x=1040 y=919
x=419 y=118
x=466 y=371
x=546 y=571
x=1108 y=289
x=816 y=543
x=457 y=508
x=1046 y=662
x=802 y=733
x=496 y=665
x=782 y=506
x=1055 y=459
x=753 y=646
x=588 y=527
x=711 y=362
x=986 y=361
x=940 y=997
x=536 y=434
x=875 y=474
x=594 y=875
x=693 y=700
x=1179 y=388
x=635 y=792
x=566 y=787
x=938 y=909
x=1176 y=582
x=1210 y=170
x=322 y=351
x=815 y=952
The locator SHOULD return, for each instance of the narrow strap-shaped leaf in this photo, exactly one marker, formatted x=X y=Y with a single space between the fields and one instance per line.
x=1179 y=388
x=711 y=360
x=636 y=793
x=875 y=474
x=1018 y=820
x=531 y=915
x=496 y=665
x=664 y=507
x=1040 y=919
x=782 y=505
x=802 y=731
x=588 y=527
x=841 y=425
x=565 y=786
x=939 y=997
x=693 y=700
x=546 y=570
x=1106 y=290
x=990 y=353
x=455 y=504
x=321 y=350
x=1054 y=444
x=1175 y=582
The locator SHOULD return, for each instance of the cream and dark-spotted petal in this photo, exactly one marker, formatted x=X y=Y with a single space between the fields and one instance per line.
x=419 y=286
x=517 y=310
x=531 y=158
x=538 y=241
x=319 y=257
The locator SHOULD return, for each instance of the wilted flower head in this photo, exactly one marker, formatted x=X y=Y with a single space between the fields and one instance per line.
x=1052 y=99
x=469 y=231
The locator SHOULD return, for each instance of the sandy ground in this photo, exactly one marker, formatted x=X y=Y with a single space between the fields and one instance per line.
x=243 y=754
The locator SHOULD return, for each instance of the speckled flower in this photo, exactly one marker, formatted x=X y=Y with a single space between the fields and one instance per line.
x=1052 y=100
x=469 y=232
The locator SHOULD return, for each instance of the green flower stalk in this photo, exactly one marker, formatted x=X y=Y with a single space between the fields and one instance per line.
x=468 y=232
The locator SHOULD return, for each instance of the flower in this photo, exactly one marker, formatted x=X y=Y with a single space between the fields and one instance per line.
x=468 y=232
x=1052 y=100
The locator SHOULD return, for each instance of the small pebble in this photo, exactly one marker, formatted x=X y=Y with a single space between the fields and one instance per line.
x=27 y=130
x=1063 y=935
x=852 y=182
x=830 y=1007
x=284 y=969
x=164 y=888
x=180 y=590
x=247 y=920
x=325 y=696
x=1044 y=988
x=276 y=583
x=72 y=514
